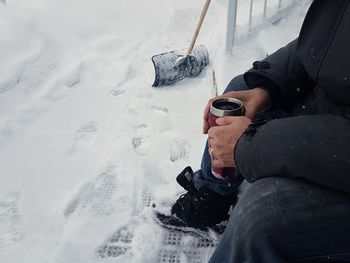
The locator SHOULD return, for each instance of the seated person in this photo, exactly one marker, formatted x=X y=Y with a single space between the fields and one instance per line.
x=293 y=158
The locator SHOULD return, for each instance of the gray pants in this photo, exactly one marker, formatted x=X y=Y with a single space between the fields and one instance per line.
x=286 y=220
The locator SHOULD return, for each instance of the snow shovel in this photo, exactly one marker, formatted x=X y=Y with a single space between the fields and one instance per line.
x=173 y=66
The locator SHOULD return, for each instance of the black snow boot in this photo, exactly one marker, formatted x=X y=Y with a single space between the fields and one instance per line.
x=198 y=208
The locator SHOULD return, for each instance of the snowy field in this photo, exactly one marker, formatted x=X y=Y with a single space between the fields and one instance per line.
x=88 y=149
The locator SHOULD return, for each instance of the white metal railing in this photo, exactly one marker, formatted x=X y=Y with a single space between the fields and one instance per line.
x=276 y=12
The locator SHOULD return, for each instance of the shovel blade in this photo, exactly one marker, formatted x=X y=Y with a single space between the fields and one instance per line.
x=171 y=67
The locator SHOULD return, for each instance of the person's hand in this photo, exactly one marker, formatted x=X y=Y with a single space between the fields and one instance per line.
x=223 y=139
x=254 y=101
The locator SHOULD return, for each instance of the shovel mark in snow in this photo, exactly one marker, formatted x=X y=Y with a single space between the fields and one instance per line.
x=10 y=233
x=32 y=72
x=83 y=137
x=96 y=197
x=36 y=71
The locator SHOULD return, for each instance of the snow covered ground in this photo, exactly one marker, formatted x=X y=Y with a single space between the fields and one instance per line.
x=87 y=146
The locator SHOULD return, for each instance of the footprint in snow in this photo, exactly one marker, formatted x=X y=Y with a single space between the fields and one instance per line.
x=178 y=246
x=66 y=82
x=10 y=218
x=96 y=197
x=37 y=69
x=139 y=105
x=161 y=111
x=144 y=196
x=161 y=118
x=175 y=246
x=142 y=139
x=83 y=137
x=117 y=92
x=179 y=150
x=119 y=244
x=122 y=242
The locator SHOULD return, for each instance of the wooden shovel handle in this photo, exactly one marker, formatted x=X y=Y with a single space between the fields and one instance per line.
x=199 y=25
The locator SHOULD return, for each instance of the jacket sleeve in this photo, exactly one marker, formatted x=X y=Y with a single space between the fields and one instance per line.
x=283 y=75
x=313 y=147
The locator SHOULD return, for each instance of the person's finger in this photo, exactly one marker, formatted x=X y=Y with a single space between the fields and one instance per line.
x=212 y=132
x=240 y=95
x=222 y=162
x=223 y=121
x=207 y=107
x=210 y=141
x=211 y=149
x=214 y=145
x=206 y=111
x=250 y=113
x=217 y=163
x=215 y=153
x=243 y=96
x=205 y=127
x=206 y=117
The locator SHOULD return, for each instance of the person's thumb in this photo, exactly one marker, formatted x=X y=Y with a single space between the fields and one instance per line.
x=250 y=114
x=224 y=120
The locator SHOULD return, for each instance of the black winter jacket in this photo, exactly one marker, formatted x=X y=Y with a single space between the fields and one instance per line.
x=310 y=78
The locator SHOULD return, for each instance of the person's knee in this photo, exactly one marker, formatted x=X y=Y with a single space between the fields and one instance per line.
x=258 y=213
x=257 y=223
x=236 y=84
x=248 y=233
x=252 y=224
